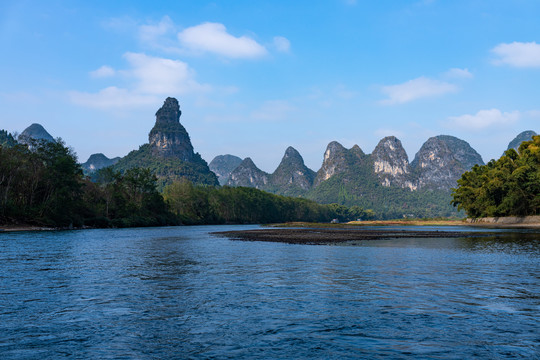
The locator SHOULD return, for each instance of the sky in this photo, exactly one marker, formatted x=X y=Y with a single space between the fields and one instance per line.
x=254 y=77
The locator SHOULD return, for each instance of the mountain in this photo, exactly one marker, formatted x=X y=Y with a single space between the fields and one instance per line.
x=442 y=160
x=383 y=181
x=223 y=166
x=169 y=152
x=98 y=161
x=337 y=159
x=249 y=175
x=292 y=177
x=6 y=139
x=391 y=163
x=524 y=136
x=36 y=132
x=168 y=138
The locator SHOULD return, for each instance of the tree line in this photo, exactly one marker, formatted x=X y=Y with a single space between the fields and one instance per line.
x=43 y=184
x=509 y=186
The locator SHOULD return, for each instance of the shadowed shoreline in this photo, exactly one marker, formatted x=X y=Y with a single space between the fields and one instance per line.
x=312 y=236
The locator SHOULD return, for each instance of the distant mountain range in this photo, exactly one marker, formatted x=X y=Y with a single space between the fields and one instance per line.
x=384 y=180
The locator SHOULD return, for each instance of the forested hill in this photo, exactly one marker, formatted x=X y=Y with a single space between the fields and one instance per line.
x=509 y=186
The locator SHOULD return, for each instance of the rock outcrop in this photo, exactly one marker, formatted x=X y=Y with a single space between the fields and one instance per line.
x=223 y=166
x=391 y=163
x=169 y=153
x=524 y=136
x=337 y=159
x=292 y=174
x=98 y=161
x=36 y=132
x=168 y=138
x=249 y=175
x=442 y=160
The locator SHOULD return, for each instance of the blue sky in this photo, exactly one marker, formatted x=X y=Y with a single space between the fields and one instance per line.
x=254 y=77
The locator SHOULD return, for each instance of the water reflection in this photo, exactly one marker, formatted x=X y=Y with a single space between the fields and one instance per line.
x=178 y=292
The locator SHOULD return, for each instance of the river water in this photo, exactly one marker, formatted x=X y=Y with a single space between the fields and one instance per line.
x=179 y=292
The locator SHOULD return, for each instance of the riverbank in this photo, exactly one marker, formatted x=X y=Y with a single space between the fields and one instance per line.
x=325 y=236
x=24 y=227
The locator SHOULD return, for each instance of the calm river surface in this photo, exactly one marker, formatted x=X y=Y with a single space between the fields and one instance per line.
x=178 y=292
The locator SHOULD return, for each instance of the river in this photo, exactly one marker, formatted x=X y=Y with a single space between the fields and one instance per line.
x=179 y=292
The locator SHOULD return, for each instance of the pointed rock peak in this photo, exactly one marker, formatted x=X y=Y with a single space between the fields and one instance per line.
x=390 y=145
x=333 y=149
x=223 y=166
x=248 y=174
x=97 y=157
x=335 y=146
x=169 y=113
x=357 y=148
x=248 y=163
x=36 y=132
x=168 y=138
x=98 y=161
x=292 y=156
x=291 y=152
x=523 y=136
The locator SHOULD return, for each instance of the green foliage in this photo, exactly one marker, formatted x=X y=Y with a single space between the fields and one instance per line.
x=359 y=186
x=168 y=170
x=40 y=183
x=210 y=205
x=6 y=139
x=43 y=184
x=509 y=186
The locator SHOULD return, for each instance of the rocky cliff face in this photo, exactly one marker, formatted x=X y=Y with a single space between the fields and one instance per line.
x=36 y=132
x=249 y=175
x=98 y=161
x=442 y=160
x=168 y=138
x=391 y=163
x=292 y=173
x=223 y=166
x=337 y=159
x=169 y=153
x=524 y=136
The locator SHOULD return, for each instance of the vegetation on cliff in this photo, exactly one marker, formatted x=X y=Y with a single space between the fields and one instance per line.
x=43 y=184
x=168 y=169
x=509 y=186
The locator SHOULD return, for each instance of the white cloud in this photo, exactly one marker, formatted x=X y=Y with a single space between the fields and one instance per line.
x=112 y=97
x=154 y=75
x=102 y=72
x=418 y=88
x=214 y=38
x=517 y=54
x=484 y=118
x=456 y=73
x=282 y=44
x=148 y=78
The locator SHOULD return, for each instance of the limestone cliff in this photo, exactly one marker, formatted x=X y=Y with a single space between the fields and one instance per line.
x=442 y=160
x=169 y=153
x=292 y=176
x=391 y=163
x=223 y=166
x=98 y=161
x=249 y=175
x=36 y=132
x=337 y=159
x=168 y=138
x=521 y=137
